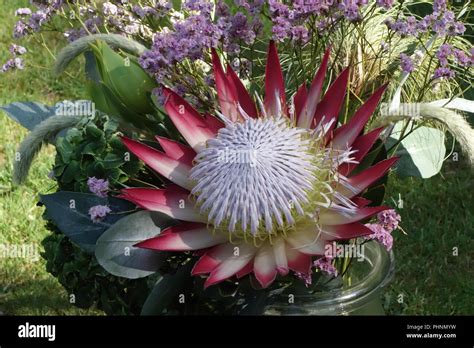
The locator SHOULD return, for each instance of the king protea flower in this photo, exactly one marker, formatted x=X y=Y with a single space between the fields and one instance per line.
x=262 y=189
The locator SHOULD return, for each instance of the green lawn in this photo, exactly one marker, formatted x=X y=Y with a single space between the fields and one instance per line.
x=437 y=213
x=25 y=287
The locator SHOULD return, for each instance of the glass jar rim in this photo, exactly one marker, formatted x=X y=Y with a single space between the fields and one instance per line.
x=382 y=267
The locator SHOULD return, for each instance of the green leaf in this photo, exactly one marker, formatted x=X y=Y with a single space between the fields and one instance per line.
x=70 y=172
x=112 y=160
x=92 y=71
x=65 y=149
x=93 y=167
x=131 y=167
x=94 y=147
x=74 y=135
x=421 y=153
x=115 y=251
x=166 y=290
x=116 y=143
x=113 y=174
x=70 y=213
x=93 y=132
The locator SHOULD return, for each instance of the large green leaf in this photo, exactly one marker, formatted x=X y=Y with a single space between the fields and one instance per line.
x=421 y=153
x=115 y=251
x=70 y=213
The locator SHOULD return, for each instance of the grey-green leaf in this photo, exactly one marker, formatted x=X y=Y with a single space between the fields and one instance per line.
x=70 y=213
x=115 y=251
x=421 y=153
x=28 y=114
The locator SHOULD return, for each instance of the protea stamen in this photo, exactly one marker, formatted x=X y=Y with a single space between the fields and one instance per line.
x=252 y=173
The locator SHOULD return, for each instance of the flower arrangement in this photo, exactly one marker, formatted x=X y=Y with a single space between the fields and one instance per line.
x=215 y=189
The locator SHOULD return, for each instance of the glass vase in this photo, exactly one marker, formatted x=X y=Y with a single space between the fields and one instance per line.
x=358 y=292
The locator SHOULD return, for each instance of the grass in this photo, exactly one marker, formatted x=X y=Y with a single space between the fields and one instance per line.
x=25 y=286
x=434 y=261
x=438 y=213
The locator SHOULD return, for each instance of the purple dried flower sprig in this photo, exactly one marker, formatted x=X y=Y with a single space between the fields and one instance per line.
x=98 y=212
x=387 y=221
x=406 y=63
x=99 y=187
x=15 y=62
x=325 y=264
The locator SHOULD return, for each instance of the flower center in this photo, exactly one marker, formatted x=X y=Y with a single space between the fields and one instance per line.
x=254 y=176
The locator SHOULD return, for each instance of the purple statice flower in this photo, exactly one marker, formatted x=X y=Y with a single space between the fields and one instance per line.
x=281 y=28
x=17 y=49
x=139 y=11
x=232 y=48
x=389 y=219
x=406 y=63
x=299 y=34
x=180 y=89
x=257 y=25
x=98 y=212
x=461 y=57
x=19 y=64
x=146 y=11
x=239 y=29
x=381 y=235
x=281 y=18
x=255 y=7
x=222 y=9
x=306 y=277
x=325 y=264
x=109 y=9
x=202 y=6
x=278 y=9
x=387 y=4
x=188 y=39
x=49 y=5
x=242 y=3
x=458 y=28
x=132 y=29
x=447 y=25
x=98 y=187
x=159 y=95
x=37 y=19
x=74 y=34
x=20 y=29
x=14 y=63
x=426 y=23
x=404 y=27
x=93 y=23
x=410 y=27
x=443 y=72
x=439 y=6
x=317 y=7
x=322 y=25
x=25 y=11
x=209 y=81
x=444 y=52
x=350 y=9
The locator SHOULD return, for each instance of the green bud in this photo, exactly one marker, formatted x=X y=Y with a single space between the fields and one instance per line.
x=125 y=78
